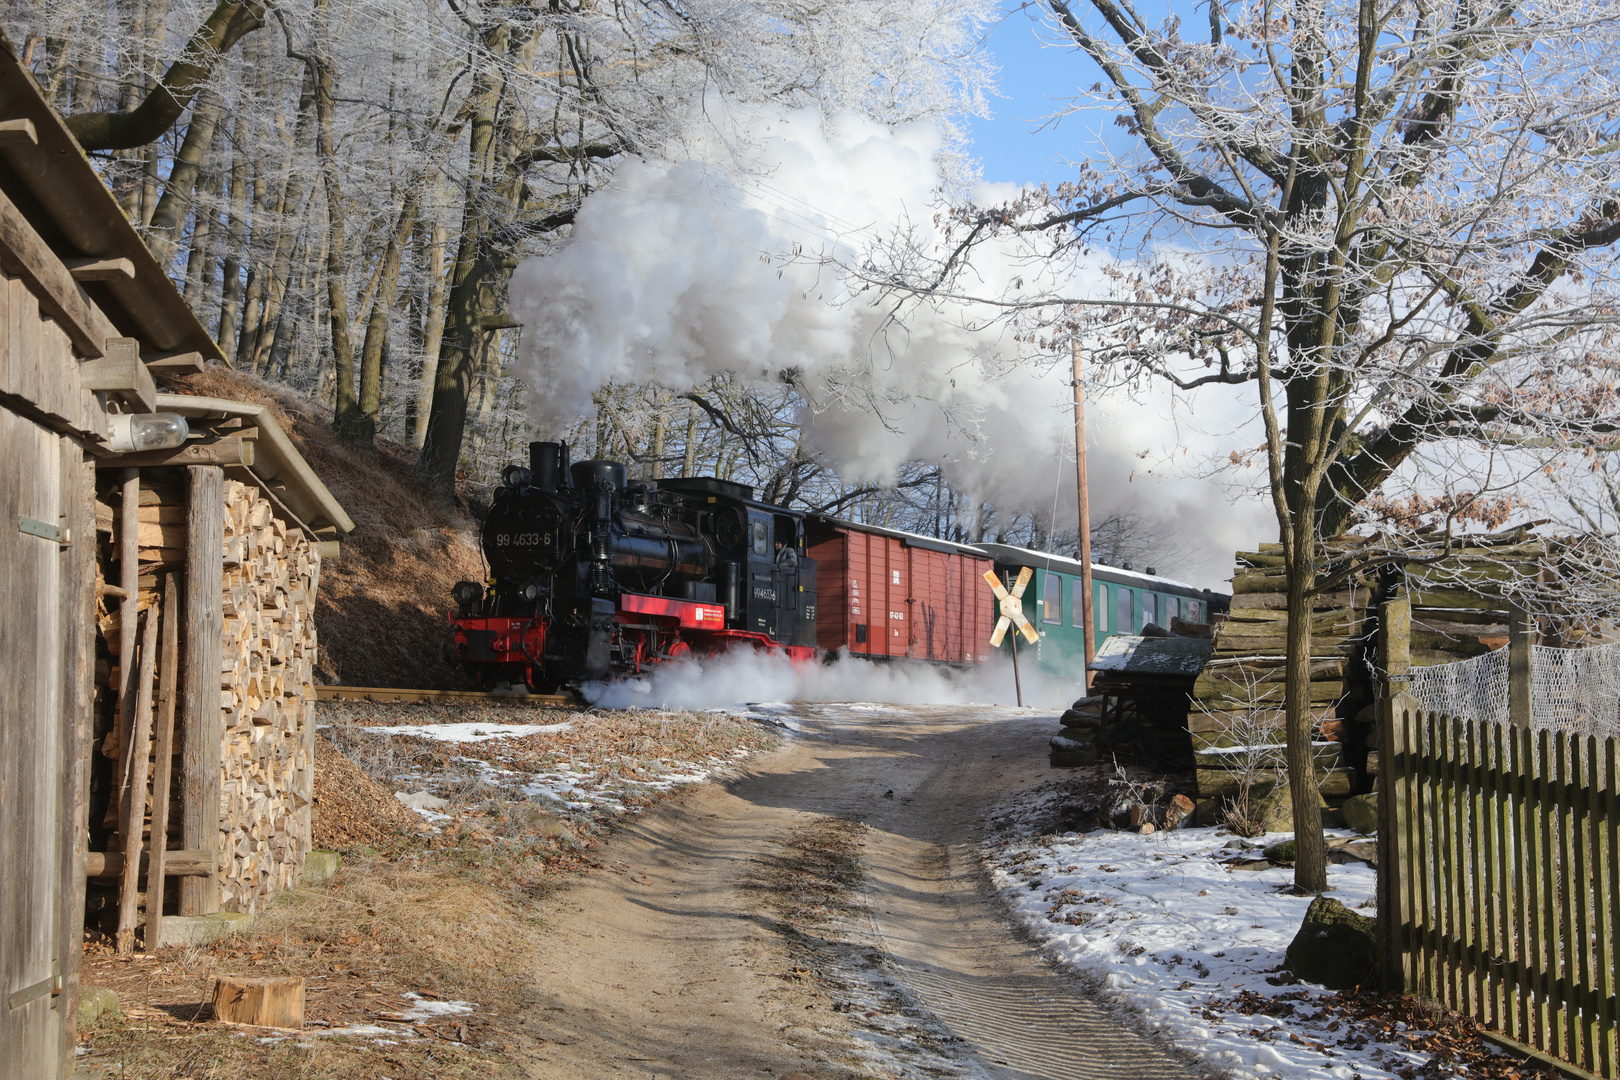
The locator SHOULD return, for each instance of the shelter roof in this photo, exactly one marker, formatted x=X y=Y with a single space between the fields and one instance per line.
x=47 y=177
x=1168 y=656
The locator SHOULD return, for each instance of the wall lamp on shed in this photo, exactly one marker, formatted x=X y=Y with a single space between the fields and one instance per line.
x=129 y=432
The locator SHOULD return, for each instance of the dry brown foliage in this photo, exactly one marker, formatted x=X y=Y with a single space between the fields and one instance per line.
x=384 y=603
x=447 y=912
x=351 y=808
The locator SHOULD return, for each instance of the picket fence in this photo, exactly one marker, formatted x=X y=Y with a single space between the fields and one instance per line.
x=1503 y=844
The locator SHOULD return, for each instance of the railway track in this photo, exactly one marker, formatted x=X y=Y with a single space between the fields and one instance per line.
x=417 y=697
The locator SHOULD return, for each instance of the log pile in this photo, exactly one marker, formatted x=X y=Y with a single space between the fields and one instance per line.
x=268 y=700
x=1236 y=721
x=267 y=693
x=1458 y=611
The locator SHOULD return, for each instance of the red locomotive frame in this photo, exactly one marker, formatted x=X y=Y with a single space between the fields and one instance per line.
x=651 y=630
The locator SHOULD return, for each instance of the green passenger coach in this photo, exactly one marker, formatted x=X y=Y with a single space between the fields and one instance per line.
x=1123 y=602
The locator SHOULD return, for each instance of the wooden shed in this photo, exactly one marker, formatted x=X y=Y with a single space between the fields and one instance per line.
x=87 y=319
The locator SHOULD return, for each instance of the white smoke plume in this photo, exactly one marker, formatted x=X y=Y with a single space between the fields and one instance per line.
x=744 y=676
x=729 y=261
x=678 y=272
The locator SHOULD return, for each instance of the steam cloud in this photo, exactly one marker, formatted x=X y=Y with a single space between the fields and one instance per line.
x=745 y=676
x=678 y=272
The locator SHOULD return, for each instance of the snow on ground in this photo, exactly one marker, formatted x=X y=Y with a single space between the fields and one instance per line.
x=592 y=765
x=1169 y=927
x=398 y=1024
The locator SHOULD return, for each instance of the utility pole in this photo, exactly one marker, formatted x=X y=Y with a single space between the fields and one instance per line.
x=1085 y=512
x=1018 y=684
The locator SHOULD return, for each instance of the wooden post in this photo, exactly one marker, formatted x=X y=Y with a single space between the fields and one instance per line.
x=1394 y=665
x=129 y=579
x=1521 y=630
x=1018 y=686
x=167 y=696
x=201 y=732
x=1084 y=506
x=79 y=645
x=132 y=817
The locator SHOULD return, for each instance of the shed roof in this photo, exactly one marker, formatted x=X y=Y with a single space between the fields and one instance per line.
x=1168 y=656
x=277 y=466
x=48 y=178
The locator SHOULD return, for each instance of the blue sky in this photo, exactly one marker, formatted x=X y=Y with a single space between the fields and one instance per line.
x=1034 y=80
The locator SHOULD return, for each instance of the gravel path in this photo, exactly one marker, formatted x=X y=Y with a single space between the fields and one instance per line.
x=674 y=963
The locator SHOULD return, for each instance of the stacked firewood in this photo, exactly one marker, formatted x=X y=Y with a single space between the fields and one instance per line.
x=267 y=691
x=1236 y=722
x=268 y=699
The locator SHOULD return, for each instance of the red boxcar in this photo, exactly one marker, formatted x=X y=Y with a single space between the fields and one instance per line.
x=880 y=592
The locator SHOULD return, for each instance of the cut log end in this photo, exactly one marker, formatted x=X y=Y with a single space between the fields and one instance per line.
x=276 y=1002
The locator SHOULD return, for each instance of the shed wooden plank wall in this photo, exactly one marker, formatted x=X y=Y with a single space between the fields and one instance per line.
x=45 y=668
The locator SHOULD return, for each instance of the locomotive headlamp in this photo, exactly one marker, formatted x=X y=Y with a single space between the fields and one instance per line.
x=515 y=476
x=129 y=432
x=533 y=591
x=467 y=592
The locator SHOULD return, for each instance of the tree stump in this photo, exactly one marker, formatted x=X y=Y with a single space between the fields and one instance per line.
x=276 y=1002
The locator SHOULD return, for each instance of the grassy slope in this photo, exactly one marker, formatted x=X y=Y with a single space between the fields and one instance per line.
x=383 y=603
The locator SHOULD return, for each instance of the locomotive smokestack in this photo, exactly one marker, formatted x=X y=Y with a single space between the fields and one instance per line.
x=548 y=466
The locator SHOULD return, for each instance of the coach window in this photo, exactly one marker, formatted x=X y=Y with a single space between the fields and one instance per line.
x=1150 y=613
x=1054 y=599
x=1099 y=608
x=1172 y=608
x=1122 y=612
x=1192 y=611
x=1077 y=611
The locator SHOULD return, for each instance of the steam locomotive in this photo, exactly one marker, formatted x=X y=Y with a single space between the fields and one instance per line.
x=593 y=577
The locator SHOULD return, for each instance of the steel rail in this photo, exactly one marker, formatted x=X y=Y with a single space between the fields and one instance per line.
x=398 y=695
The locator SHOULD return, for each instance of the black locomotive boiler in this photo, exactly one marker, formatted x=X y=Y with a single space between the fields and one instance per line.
x=593 y=577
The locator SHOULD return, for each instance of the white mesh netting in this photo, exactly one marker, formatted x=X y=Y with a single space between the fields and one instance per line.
x=1571 y=689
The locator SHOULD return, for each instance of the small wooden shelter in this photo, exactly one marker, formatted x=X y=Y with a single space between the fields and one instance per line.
x=155 y=633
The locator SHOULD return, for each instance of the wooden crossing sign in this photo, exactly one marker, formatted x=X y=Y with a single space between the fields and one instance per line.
x=1012 y=607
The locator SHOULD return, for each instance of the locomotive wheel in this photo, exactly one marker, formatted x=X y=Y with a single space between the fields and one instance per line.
x=537 y=682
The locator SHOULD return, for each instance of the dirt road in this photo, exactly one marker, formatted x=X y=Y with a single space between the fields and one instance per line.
x=822 y=917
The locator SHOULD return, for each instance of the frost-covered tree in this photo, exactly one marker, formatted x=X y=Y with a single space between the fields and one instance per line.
x=1389 y=223
x=343 y=186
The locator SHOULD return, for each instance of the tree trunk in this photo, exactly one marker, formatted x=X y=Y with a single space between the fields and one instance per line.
x=350 y=422
x=689 y=462
x=170 y=213
x=382 y=304
x=280 y=272
x=472 y=277
x=656 y=451
x=1310 y=848
x=432 y=333
x=236 y=242
x=200 y=263
x=163 y=104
